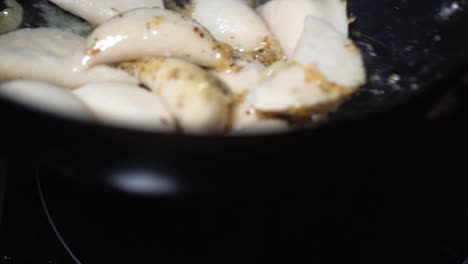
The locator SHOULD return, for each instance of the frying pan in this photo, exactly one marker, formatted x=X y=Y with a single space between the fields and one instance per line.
x=414 y=51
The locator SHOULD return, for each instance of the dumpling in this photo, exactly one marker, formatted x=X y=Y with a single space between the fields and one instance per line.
x=157 y=32
x=199 y=101
x=97 y=12
x=233 y=22
x=297 y=91
x=286 y=18
x=332 y=53
x=46 y=97
x=127 y=106
x=327 y=69
x=46 y=54
x=245 y=120
x=244 y=79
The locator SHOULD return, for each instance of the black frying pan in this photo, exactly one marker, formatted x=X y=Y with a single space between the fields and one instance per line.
x=414 y=51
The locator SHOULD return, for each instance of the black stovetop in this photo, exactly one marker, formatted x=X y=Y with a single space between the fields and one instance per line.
x=420 y=219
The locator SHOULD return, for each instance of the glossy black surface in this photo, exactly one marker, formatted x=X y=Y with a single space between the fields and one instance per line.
x=375 y=211
x=409 y=41
x=377 y=216
x=26 y=236
x=3 y=173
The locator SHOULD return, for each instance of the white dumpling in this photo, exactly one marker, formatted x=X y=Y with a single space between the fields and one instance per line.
x=98 y=11
x=327 y=69
x=246 y=120
x=296 y=90
x=286 y=18
x=127 y=106
x=264 y=126
x=233 y=22
x=334 y=54
x=242 y=81
x=149 y=32
x=46 y=97
x=46 y=54
x=199 y=101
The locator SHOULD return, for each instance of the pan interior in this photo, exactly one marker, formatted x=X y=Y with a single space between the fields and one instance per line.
x=407 y=45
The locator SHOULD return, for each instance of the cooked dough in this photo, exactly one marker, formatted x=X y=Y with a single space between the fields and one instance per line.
x=98 y=11
x=233 y=22
x=47 y=55
x=243 y=80
x=246 y=120
x=199 y=101
x=286 y=18
x=327 y=69
x=263 y=126
x=127 y=105
x=297 y=90
x=334 y=55
x=197 y=67
x=153 y=32
x=46 y=97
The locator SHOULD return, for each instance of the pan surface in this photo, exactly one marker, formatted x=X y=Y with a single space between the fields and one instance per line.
x=411 y=49
x=408 y=45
